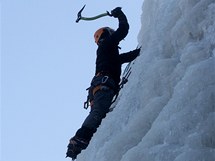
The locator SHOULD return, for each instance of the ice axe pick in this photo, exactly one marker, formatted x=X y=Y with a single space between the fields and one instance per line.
x=80 y=17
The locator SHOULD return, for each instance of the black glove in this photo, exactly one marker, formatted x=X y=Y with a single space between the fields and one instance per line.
x=116 y=12
x=137 y=51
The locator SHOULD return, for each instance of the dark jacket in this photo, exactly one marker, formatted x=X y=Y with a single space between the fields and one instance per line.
x=108 y=58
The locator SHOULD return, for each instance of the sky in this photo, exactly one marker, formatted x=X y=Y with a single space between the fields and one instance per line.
x=47 y=62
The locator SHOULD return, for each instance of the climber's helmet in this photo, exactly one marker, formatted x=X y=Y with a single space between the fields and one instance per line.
x=102 y=33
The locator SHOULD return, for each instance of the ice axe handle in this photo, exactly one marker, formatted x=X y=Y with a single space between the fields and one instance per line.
x=90 y=18
x=93 y=18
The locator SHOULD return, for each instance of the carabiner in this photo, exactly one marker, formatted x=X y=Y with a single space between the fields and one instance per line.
x=104 y=79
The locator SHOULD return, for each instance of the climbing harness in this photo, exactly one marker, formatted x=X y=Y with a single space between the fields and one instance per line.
x=104 y=80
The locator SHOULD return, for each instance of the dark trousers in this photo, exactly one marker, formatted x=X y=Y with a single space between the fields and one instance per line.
x=101 y=105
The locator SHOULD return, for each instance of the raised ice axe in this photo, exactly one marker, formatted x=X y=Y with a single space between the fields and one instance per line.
x=80 y=17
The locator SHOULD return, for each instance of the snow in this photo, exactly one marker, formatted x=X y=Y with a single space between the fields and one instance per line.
x=166 y=111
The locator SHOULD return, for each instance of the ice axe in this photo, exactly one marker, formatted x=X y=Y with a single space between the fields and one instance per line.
x=80 y=17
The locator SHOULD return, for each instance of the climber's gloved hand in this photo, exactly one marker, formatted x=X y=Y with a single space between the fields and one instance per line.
x=137 y=51
x=116 y=12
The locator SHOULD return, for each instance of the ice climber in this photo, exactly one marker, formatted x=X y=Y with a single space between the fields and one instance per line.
x=105 y=83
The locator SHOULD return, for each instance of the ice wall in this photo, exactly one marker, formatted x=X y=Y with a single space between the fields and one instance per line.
x=166 y=112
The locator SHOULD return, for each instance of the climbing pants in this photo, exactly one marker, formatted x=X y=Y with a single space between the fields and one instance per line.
x=102 y=102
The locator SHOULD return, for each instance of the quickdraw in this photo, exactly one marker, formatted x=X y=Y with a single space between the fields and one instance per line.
x=123 y=82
